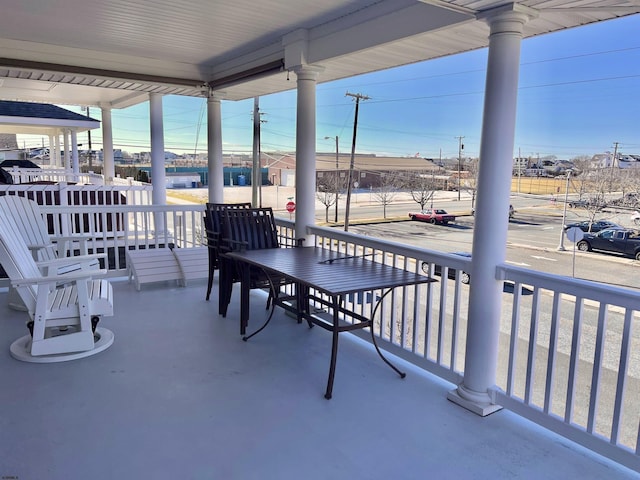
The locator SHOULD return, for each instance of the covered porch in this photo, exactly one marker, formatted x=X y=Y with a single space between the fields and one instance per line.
x=182 y=396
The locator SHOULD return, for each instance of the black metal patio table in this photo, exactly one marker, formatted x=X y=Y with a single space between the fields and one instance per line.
x=325 y=278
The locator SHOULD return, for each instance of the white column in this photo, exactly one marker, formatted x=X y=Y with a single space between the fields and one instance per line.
x=67 y=156
x=108 y=166
x=52 y=148
x=75 y=162
x=158 y=172
x=306 y=149
x=56 y=140
x=215 y=167
x=492 y=209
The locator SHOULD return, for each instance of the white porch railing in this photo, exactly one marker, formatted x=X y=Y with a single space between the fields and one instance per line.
x=63 y=194
x=28 y=175
x=569 y=349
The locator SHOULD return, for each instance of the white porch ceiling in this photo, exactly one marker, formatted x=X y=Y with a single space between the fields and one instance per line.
x=92 y=52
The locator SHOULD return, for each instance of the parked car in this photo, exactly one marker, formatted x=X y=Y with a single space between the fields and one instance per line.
x=588 y=203
x=451 y=274
x=635 y=218
x=19 y=164
x=628 y=200
x=593 y=227
x=624 y=241
x=432 y=215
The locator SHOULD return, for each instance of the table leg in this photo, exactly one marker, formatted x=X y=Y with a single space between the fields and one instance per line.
x=225 y=285
x=334 y=348
x=273 y=295
x=245 y=280
x=373 y=336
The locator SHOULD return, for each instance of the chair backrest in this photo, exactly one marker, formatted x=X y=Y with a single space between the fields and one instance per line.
x=249 y=229
x=212 y=219
x=16 y=259
x=30 y=223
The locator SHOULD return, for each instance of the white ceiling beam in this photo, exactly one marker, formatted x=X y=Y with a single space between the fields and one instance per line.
x=415 y=19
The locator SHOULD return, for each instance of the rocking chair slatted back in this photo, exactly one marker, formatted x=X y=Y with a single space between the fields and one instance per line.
x=30 y=223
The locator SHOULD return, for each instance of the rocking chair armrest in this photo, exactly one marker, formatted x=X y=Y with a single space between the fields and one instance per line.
x=60 y=243
x=39 y=246
x=64 y=261
x=54 y=279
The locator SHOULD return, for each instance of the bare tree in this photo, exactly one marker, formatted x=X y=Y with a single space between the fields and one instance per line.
x=326 y=194
x=472 y=180
x=597 y=182
x=421 y=185
x=328 y=188
x=385 y=193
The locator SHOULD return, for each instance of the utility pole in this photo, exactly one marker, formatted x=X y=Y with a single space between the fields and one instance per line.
x=564 y=212
x=255 y=171
x=460 y=148
x=358 y=97
x=613 y=163
x=337 y=175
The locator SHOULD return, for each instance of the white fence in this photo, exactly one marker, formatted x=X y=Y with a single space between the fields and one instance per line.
x=63 y=194
x=55 y=175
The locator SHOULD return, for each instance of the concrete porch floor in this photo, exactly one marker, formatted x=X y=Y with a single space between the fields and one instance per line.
x=180 y=395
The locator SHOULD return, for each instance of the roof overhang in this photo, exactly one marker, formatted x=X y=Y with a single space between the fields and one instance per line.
x=122 y=51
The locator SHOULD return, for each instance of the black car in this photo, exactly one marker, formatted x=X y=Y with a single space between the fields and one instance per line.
x=595 y=226
x=19 y=164
x=437 y=269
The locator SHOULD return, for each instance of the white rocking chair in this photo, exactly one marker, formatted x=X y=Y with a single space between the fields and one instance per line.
x=32 y=226
x=63 y=319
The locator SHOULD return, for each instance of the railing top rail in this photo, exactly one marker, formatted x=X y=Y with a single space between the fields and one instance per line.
x=606 y=294
x=119 y=208
x=21 y=187
x=452 y=260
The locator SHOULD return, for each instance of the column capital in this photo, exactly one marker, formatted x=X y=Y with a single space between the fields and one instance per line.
x=509 y=18
x=216 y=96
x=308 y=72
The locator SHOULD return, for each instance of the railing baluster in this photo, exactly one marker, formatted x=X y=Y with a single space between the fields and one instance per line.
x=531 y=355
x=621 y=382
x=513 y=339
x=597 y=367
x=551 y=357
x=574 y=361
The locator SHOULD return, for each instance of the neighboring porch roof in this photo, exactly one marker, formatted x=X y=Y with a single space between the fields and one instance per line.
x=41 y=119
x=113 y=54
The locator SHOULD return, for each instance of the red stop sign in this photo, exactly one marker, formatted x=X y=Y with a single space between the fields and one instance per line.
x=291 y=207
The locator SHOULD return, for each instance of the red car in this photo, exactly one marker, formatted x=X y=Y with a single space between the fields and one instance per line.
x=432 y=215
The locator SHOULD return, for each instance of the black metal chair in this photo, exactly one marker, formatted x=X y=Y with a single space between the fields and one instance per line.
x=247 y=229
x=213 y=227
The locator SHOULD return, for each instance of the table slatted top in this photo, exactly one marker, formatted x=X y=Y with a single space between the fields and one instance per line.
x=333 y=273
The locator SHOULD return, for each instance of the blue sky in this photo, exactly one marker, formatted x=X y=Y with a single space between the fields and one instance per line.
x=579 y=93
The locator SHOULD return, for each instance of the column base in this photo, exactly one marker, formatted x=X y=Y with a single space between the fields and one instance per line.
x=480 y=405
